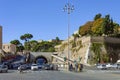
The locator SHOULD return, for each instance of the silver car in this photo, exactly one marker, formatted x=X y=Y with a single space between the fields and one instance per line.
x=34 y=67
x=3 y=68
x=101 y=66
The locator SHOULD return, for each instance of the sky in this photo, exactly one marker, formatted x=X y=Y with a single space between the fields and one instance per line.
x=45 y=19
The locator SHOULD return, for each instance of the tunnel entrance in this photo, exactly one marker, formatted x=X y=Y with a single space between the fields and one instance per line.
x=41 y=60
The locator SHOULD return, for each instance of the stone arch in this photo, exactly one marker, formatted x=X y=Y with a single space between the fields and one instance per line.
x=41 y=57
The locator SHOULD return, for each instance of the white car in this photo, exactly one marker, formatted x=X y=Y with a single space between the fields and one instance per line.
x=118 y=61
x=34 y=67
x=109 y=65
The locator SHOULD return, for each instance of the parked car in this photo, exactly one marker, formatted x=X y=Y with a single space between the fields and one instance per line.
x=114 y=66
x=3 y=68
x=46 y=66
x=39 y=66
x=55 y=67
x=15 y=65
x=28 y=66
x=101 y=66
x=34 y=67
x=118 y=61
x=51 y=66
x=109 y=65
x=118 y=65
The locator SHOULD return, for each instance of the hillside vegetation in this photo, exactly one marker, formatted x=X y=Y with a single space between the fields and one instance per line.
x=100 y=26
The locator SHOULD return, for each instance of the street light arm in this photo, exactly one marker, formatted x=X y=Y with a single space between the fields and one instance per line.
x=68 y=8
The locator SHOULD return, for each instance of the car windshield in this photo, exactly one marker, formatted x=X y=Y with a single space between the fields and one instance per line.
x=3 y=66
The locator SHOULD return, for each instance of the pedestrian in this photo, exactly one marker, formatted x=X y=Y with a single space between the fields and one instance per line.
x=20 y=69
x=81 y=65
x=76 y=67
x=71 y=67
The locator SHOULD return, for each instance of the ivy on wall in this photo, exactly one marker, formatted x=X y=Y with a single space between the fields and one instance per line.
x=96 y=48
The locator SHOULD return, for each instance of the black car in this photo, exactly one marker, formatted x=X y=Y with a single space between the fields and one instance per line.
x=46 y=66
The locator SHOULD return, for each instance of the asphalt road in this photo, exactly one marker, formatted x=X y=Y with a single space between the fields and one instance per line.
x=59 y=75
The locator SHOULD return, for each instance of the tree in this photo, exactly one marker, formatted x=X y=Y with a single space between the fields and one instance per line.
x=97 y=27
x=106 y=23
x=44 y=46
x=33 y=45
x=19 y=45
x=57 y=39
x=26 y=37
x=76 y=35
x=97 y=16
x=116 y=29
x=15 y=42
x=86 y=29
x=111 y=27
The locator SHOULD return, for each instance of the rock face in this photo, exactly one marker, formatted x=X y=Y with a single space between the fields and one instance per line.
x=80 y=48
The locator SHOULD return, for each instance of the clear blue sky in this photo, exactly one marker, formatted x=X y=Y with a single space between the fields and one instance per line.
x=46 y=20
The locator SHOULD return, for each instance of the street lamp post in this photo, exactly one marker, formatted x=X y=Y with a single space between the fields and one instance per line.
x=68 y=8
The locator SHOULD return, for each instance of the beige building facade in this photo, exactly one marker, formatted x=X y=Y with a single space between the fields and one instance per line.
x=9 y=48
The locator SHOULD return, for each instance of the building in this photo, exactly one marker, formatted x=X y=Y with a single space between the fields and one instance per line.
x=51 y=40
x=9 y=48
x=40 y=41
x=0 y=37
x=1 y=51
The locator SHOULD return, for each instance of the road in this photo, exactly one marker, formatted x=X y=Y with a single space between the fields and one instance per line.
x=59 y=75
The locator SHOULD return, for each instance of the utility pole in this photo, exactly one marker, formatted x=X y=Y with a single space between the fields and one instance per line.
x=68 y=8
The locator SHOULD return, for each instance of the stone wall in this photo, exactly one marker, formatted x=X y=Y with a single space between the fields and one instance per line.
x=84 y=51
x=47 y=55
x=105 y=39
